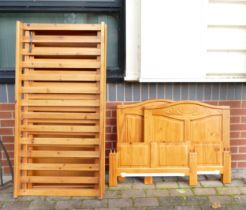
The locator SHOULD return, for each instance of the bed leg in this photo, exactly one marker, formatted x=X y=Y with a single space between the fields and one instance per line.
x=113 y=169
x=148 y=180
x=121 y=179
x=226 y=177
x=193 y=168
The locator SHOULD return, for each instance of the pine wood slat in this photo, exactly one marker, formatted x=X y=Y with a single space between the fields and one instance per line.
x=70 y=96
x=62 y=51
x=61 y=27
x=58 y=154
x=60 y=166
x=62 y=121
x=60 y=180
x=60 y=128
x=61 y=141
x=64 y=39
x=91 y=103
x=56 y=191
x=65 y=109
x=89 y=90
x=60 y=109
x=60 y=115
x=61 y=63
x=61 y=76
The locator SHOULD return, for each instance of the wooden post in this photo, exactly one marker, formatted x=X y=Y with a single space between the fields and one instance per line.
x=193 y=168
x=226 y=177
x=154 y=161
x=102 y=72
x=121 y=179
x=113 y=169
x=17 y=159
x=148 y=180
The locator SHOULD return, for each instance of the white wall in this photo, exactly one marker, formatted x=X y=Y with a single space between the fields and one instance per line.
x=186 y=41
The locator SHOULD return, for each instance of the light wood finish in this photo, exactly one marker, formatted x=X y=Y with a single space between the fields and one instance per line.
x=226 y=177
x=60 y=109
x=193 y=169
x=121 y=179
x=130 y=138
x=148 y=180
x=18 y=71
x=113 y=163
x=185 y=137
x=191 y=127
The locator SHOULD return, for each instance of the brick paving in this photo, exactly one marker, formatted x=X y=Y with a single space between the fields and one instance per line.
x=166 y=194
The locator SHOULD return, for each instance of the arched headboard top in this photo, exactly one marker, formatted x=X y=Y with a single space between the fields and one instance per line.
x=188 y=102
x=145 y=104
x=188 y=121
x=130 y=120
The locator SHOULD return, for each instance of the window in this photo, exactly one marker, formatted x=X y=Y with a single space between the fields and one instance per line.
x=188 y=41
x=110 y=11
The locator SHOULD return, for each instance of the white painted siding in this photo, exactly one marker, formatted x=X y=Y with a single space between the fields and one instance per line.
x=226 y=46
x=191 y=41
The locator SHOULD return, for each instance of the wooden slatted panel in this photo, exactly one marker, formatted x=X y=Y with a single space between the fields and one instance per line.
x=60 y=109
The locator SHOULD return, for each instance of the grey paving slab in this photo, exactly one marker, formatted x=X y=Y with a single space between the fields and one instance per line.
x=107 y=208
x=122 y=186
x=16 y=205
x=156 y=193
x=185 y=207
x=204 y=191
x=95 y=203
x=180 y=192
x=172 y=200
x=235 y=183
x=228 y=190
x=211 y=183
x=142 y=186
x=113 y=194
x=167 y=207
x=225 y=199
x=146 y=202
x=132 y=193
x=41 y=205
x=196 y=200
x=166 y=194
x=166 y=185
x=243 y=190
x=120 y=203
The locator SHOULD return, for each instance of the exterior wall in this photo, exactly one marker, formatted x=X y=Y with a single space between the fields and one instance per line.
x=231 y=94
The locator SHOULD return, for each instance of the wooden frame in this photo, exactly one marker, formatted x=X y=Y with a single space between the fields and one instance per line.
x=129 y=115
x=180 y=138
x=60 y=109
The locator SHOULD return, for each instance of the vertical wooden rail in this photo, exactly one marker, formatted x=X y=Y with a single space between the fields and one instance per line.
x=226 y=159
x=102 y=107
x=226 y=176
x=27 y=46
x=18 y=72
x=113 y=160
x=193 y=168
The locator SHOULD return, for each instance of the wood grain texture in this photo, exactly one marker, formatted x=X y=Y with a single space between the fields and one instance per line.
x=185 y=137
x=60 y=109
x=130 y=136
